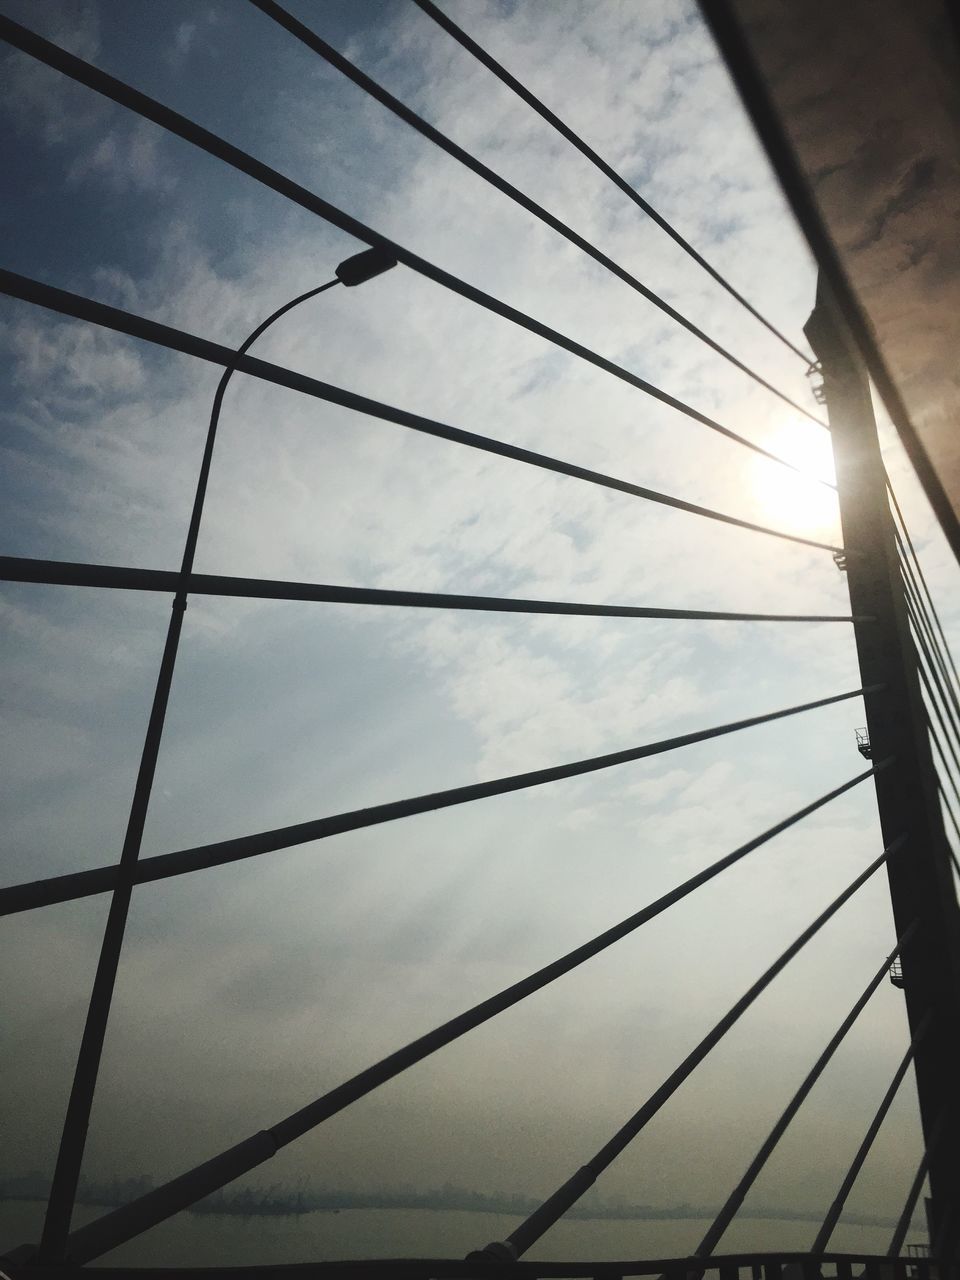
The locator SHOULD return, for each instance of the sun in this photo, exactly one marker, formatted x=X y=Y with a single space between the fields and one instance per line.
x=795 y=499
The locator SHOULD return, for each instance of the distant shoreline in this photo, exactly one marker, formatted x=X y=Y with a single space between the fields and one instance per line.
x=259 y=1204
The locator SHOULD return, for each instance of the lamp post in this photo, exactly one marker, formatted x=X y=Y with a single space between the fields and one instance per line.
x=351 y=272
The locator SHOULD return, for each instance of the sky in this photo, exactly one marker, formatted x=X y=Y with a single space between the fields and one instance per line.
x=247 y=990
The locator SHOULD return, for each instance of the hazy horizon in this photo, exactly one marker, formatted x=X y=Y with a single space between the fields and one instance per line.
x=247 y=990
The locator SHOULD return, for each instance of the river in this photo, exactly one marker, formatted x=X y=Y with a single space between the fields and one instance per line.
x=225 y=1240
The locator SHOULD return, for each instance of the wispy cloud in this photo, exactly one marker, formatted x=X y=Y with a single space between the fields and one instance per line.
x=249 y=990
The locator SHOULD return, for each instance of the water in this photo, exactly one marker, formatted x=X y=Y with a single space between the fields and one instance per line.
x=222 y=1240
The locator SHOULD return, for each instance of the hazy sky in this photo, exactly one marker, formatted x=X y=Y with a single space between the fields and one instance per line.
x=248 y=990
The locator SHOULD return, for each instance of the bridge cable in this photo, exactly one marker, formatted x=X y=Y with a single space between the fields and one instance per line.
x=945 y=801
x=833 y=1213
x=81 y=308
x=938 y=644
x=950 y=735
x=607 y=170
x=906 y=1217
x=319 y=46
x=81 y=884
x=125 y=578
x=940 y=705
x=737 y=1196
x=108 y=86
x=921 y=623
x=919 y=568
x=66 y=1175
x=96 y=1238
x=556 y=1205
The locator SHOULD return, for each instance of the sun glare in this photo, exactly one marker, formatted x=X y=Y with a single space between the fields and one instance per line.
x=797 y=501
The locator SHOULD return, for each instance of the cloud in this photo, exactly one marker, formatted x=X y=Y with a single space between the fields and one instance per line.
x=247 y=990
x=124 y=157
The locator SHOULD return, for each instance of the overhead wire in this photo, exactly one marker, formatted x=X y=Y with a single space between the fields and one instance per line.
x=173 y=122
x=512 y=83
x=319 y=46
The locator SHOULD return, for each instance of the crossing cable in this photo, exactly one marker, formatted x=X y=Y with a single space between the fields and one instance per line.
x=921 y=624
x=89 y=1242
x=926 y=641
x=833 y=1213
x=928 y=671
x=924 y=604
x=127 y=578
x=946 y=804
x=81 y=308
x=739 y=1193
x=949 y=807
x=66 y=1175
x=930 y=680
x=945 y=800
x=375 y=90
x=83 y=884
x=906 y=1217
x=951 y=773
x=946 y=737
x=607 y=170
x=108 y=86
x=953 y=787
x=556 y=1205
x=919 y=568
x=949 y=739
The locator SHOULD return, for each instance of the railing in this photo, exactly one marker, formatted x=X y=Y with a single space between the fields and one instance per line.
x=734 y=1266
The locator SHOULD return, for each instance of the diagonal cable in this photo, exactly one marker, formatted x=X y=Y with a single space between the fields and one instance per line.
x=80 y=884
x=482 y=56
x=836 y=1208
x=737 y=1196
x=937 y=642
x=122 y=1224
x=556 y=1205
x=172 y=121
x=66 y=1173
x=375 y=90
x=945 y=802
x=938 y=701
x=922 y=625
x=922 y=576
x=124 y=578
x=906 y=1217
x=72 y=304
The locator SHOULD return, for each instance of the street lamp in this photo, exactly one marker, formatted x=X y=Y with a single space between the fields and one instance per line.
x=351 y=272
